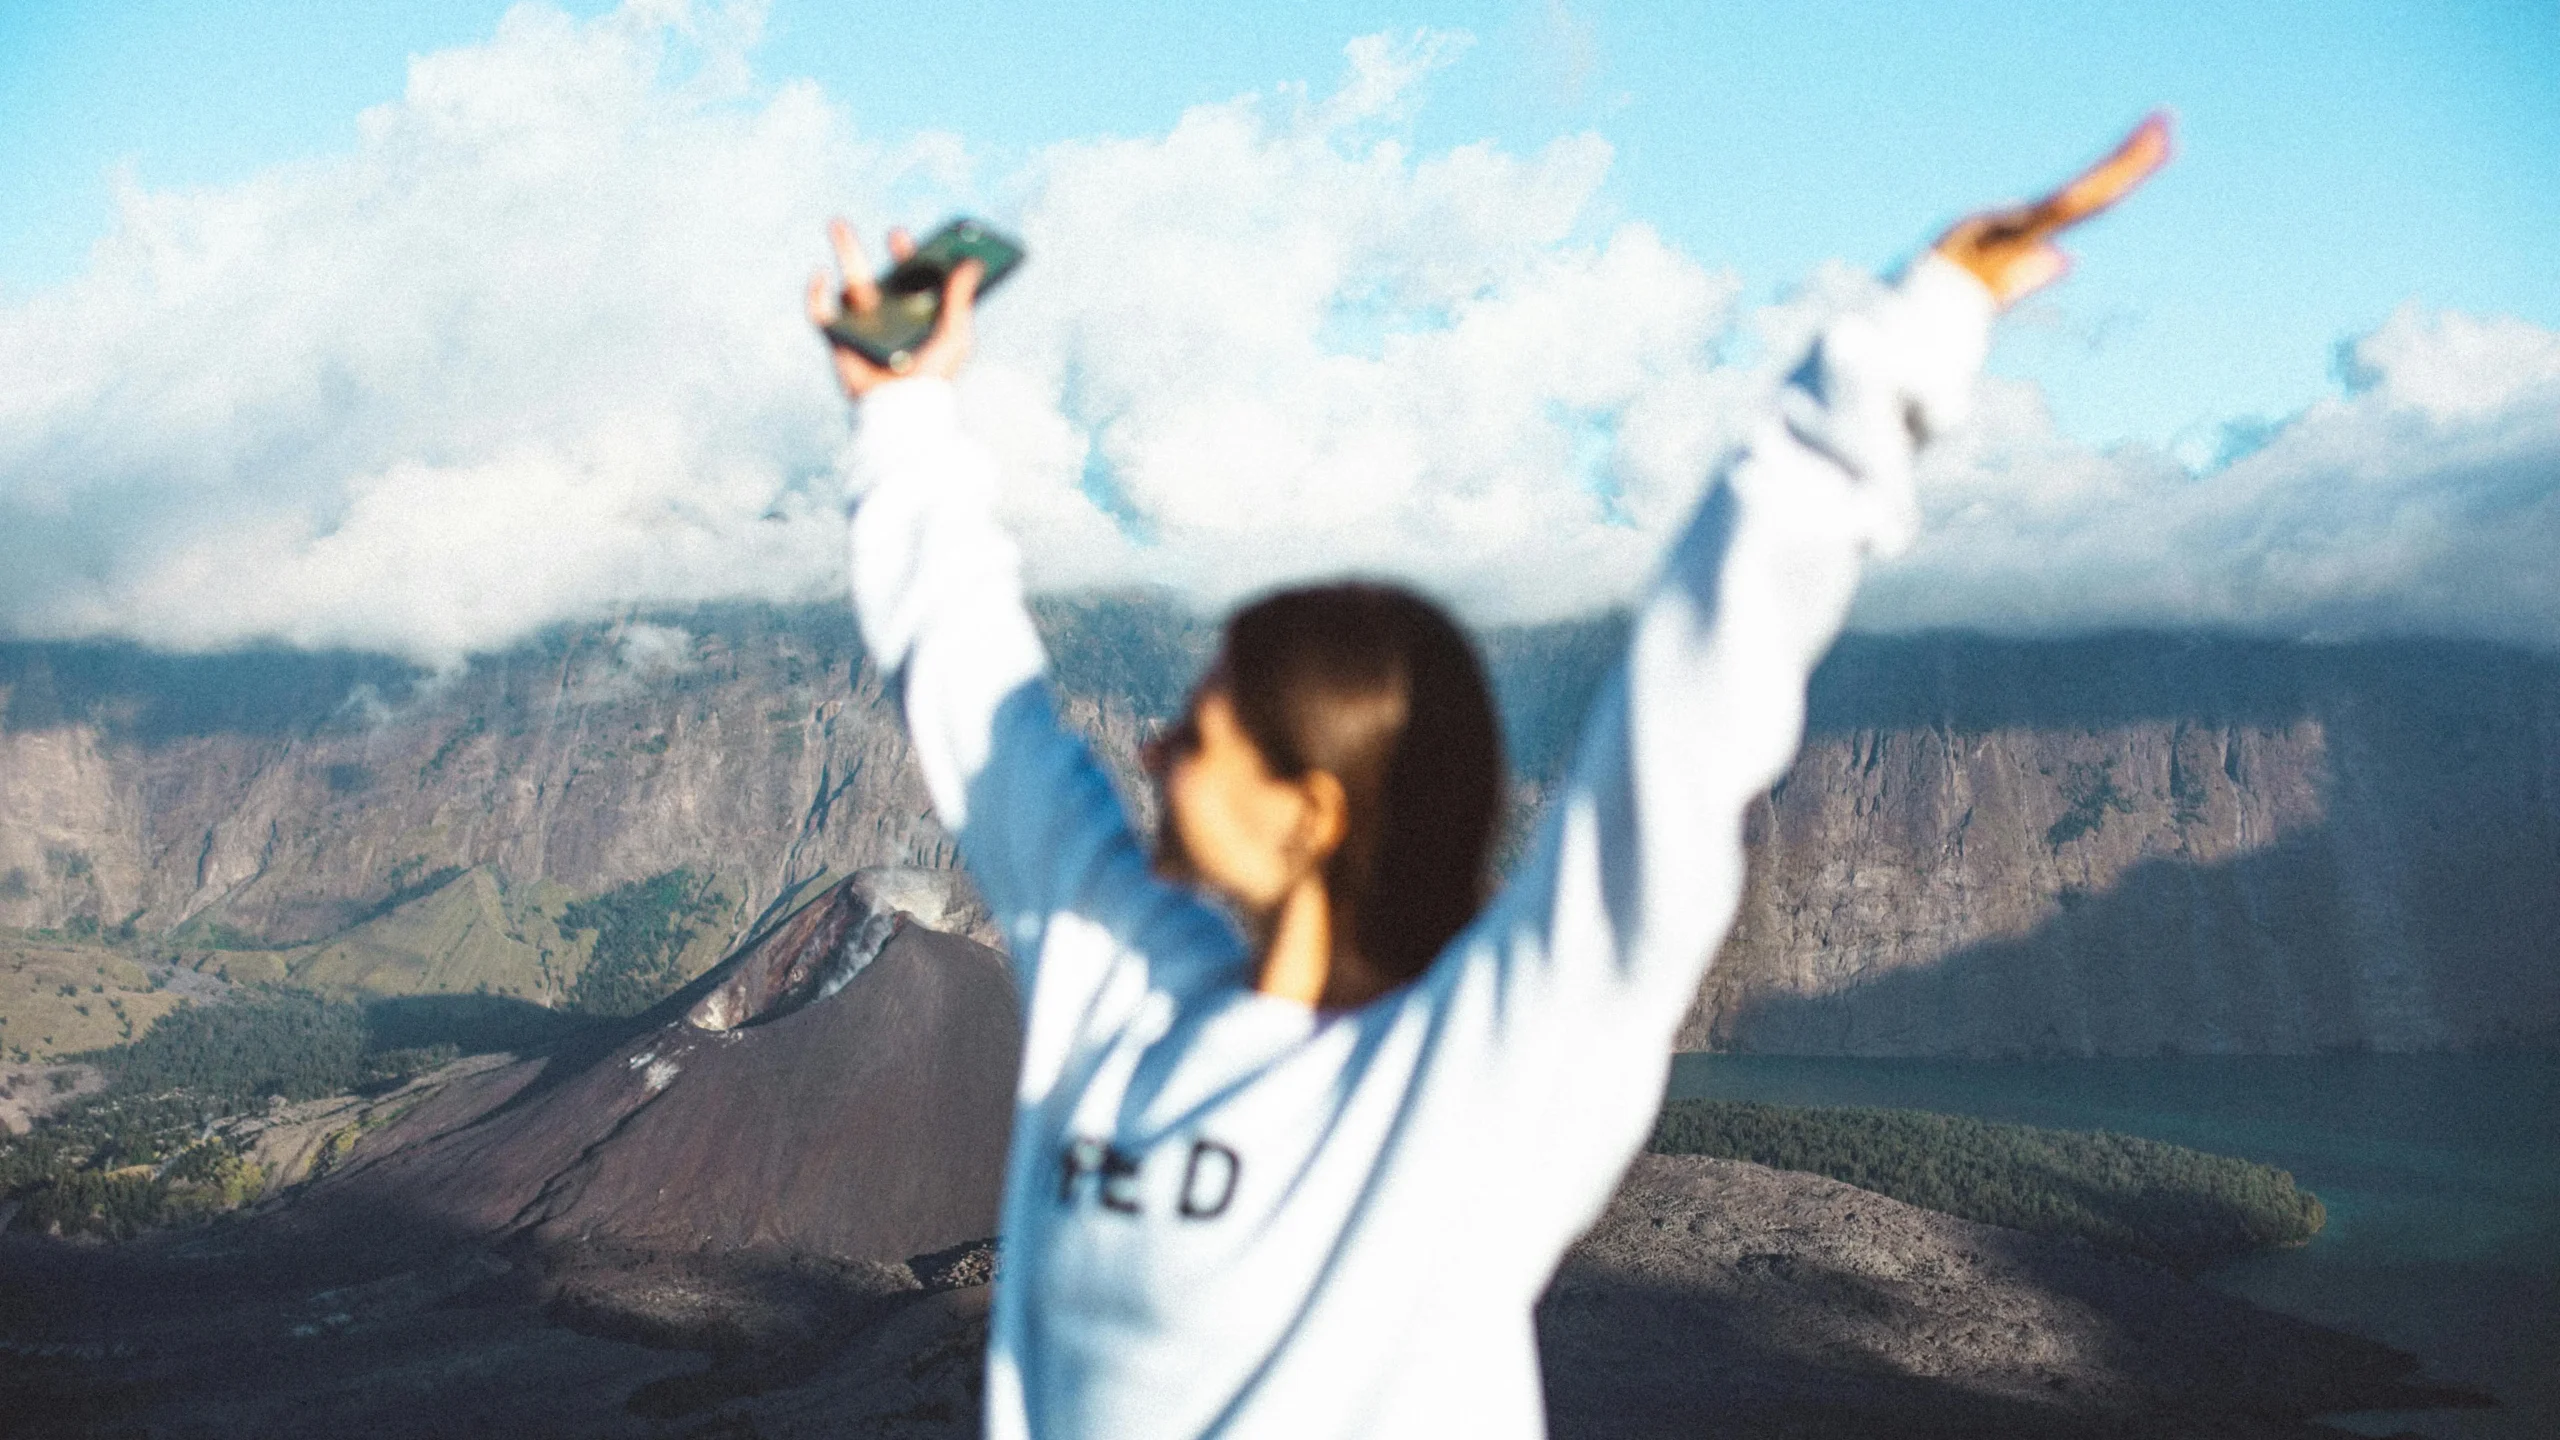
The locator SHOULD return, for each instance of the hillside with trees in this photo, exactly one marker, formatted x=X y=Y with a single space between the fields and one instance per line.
x=2183 y=1208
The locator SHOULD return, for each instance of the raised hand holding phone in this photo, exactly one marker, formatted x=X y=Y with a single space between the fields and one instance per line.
x=2012 y=252
x=918 y=319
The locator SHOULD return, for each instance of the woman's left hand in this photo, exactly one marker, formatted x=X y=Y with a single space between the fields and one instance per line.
x=2012 y=251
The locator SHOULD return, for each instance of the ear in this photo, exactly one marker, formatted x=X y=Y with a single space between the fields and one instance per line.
x=1323 y=820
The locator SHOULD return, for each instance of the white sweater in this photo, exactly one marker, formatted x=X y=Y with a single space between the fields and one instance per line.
x=1228 y=1215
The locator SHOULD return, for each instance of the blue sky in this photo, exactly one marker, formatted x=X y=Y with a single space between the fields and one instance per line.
x=1470 y=293
x=2340 y=157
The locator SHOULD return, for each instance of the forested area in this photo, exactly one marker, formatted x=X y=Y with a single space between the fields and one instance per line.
x=144 y=1152
x=147 y=1152
x=641 y=931
x=2183 y=1208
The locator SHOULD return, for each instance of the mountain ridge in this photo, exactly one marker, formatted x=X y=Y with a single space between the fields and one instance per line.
x=2121 y=844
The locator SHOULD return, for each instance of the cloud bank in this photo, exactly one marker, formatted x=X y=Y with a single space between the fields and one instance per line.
x=531 y=352
x=2425 y=499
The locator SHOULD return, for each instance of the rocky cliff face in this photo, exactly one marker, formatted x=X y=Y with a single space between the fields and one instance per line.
x=2140 y=845
x=286 y=795
x=2124 y=845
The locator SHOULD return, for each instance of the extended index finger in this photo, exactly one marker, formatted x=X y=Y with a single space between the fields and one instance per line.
x=2110 y=180
x=860 y=294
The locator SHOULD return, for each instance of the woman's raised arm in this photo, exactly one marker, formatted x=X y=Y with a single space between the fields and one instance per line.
x=1565 y=996
x=937 y=587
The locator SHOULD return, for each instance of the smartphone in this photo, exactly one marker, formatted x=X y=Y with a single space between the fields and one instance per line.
x=911 y=293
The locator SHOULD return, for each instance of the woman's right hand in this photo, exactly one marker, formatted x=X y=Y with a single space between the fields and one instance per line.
x=943 y=352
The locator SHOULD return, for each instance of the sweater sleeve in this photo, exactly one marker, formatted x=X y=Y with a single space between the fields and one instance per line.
x=937 y=588
x=1563 y=998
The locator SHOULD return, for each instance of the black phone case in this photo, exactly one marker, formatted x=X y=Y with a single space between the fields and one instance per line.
x=911 y=293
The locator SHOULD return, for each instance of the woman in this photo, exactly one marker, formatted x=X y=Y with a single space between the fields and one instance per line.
x=1309 y=1179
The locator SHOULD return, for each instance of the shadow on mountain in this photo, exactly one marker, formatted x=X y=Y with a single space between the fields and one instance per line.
x=475 y=1024
x=1971 y=683
x=1759 y=1302
x=1149 y=650
x=2410 y=902
x=421 y=1328
x=154 y=696
x=2264 y=954
x=1630 y=1360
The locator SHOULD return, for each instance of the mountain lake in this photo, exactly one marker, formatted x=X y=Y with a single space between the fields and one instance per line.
x=2441 y=1174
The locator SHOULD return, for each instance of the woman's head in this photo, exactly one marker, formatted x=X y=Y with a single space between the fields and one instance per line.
x=1345 y=729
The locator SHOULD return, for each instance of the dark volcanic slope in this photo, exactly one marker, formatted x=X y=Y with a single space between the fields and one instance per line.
x=744 y=1172
x=760 y=1112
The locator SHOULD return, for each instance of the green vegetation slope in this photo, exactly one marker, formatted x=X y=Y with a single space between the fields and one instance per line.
x=61 y=994
x=2183 y=1208
x=145 y=1152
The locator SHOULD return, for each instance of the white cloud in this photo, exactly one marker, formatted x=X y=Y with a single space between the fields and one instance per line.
x=532 y=352
x=2425 y=499
x=1280 y=344
x=655 y=650
x=524 y=354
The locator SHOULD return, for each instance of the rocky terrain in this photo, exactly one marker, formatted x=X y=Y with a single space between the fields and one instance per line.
x=2123 y=845
x=759 y=1208
x=1725 y=1297
x=1713 y=1298
x=283 y=796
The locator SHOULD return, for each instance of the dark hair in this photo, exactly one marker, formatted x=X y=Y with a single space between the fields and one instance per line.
x=1377 y=686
